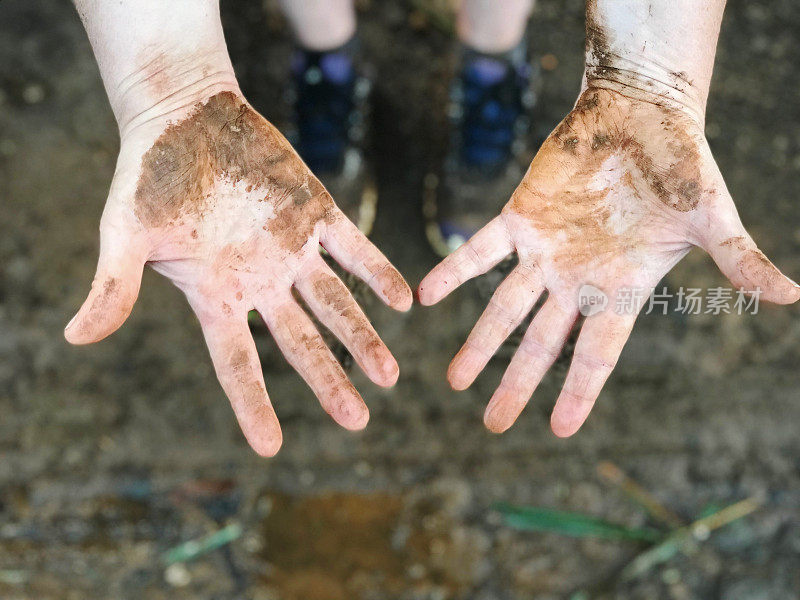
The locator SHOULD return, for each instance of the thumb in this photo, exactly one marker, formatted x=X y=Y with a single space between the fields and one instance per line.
x=738 y=257
x=113 y=294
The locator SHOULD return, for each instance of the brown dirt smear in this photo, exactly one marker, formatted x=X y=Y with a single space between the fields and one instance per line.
x=333 y=293
x=224 y=138
x=105 y=301
x=667 y=157
x=755 y=268
x=330 y=291
x=597 y=43
x=661 y=163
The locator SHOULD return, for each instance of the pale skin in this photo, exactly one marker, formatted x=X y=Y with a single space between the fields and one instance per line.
x=486 y=25
x=620 y=191
x=211 y=195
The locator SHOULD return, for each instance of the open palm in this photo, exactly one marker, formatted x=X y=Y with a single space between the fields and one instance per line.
x=615 y=197
x=218 y=201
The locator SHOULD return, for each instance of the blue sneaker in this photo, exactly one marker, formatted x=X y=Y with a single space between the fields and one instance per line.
x=490 y=102
x=330 y=101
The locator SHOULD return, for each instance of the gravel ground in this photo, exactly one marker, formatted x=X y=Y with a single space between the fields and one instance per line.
x=114 y=453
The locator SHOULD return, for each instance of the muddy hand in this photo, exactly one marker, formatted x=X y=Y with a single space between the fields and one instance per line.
x=218 y=201
x=616 y=196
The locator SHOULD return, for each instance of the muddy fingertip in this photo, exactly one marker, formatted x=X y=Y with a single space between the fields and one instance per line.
x=398 y=293
x=389 y=372
x=495 y=418
x=405 y=299
x=267 y=446
x=355 y=420
x=493 y=424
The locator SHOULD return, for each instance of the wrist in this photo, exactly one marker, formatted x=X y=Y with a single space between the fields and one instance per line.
x=165 y=83
x=658 y=52
x=670 y=90
x=157 y=57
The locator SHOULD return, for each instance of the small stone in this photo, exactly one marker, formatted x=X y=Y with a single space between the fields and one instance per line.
x=701 y=532
x=177 y=575
x=33 y=93
x=416 y=571
x=253 y=544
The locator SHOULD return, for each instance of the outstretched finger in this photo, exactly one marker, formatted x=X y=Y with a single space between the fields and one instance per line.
x=304 y=348
x=511 y=302
x=739 y=258
x=114 y=289
x=599 y=345
x=239 y=371
x=479 y=254
x=537 y=352
x=353 y=251
x=330 y=300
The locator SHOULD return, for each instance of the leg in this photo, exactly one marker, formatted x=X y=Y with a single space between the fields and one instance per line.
x=330 y=102
x=493 y=27
x=321 y=25
x=491 y=99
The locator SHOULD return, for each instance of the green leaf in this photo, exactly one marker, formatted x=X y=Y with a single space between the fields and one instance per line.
x=193 y=548
x=531 y=518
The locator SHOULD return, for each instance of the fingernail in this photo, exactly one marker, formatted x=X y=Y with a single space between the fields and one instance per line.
x=71 y=321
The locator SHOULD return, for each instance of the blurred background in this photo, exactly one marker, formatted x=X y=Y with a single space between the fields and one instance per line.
x=123 y=473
